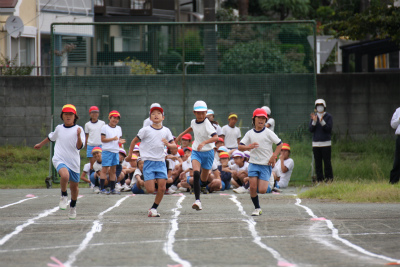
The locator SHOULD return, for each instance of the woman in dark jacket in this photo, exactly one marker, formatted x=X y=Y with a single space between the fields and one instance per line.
x=321 y=127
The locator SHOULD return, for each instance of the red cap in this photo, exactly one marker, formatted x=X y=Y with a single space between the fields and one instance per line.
x=114 y=113
x=137 y=144
x=187 y=148
x=181 y=153
x=69 y=108
x=223 y=155
x=187 y=137
x=157 y=108
x=94 y=108
x=259 y=112
x=285 y=146
x=220 y=140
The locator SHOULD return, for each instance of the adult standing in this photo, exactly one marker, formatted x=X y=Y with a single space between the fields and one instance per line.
x=395 y=172
x=321 y=125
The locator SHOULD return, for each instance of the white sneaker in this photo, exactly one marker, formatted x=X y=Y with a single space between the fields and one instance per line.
x=63 y=203
x=170 y=191
x=173 y=187
x=96 y=190
x=126 y=188
x=256 y=212
x=118 y=186
x=197 y=205
x=182 y=189
x=72 y=213
x=240 y=190
x=153 y=213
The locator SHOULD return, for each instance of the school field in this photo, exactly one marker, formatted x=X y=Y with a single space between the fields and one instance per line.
x=115 y=231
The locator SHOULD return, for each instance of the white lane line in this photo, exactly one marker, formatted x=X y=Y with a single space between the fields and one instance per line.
x=169 y=244
x=256 y=238
x=15 y=203
x=96 y=228
x=21 y=227
x=335 y=235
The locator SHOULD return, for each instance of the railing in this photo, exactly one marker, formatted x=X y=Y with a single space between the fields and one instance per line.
x=64 y=70
x=123 y=7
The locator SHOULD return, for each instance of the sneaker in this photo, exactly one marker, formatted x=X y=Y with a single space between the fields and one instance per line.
x=197 y=205
x=256 y=212
x=63 y=203
x=115 y=192
x=104 y=192
x=72 y=213
x=276 y=190
x=118 y=186
x=240 y=190
x=204 y=190
x=170 y=191
x=153 y=213
x=96 y=190
x=126 y=188
x=174 y=187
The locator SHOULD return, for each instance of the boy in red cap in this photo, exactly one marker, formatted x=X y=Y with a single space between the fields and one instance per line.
x=70 y=139
x=186 y=139
x=93 y=133
x=111 y=137
x=153 y=140
x=262 y=158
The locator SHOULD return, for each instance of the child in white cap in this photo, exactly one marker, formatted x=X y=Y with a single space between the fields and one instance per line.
x=203 y=148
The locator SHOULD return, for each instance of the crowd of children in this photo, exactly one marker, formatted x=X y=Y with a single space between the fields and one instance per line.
x=157 y=163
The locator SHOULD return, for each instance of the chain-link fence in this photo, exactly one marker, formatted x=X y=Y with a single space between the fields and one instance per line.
x=232 y=66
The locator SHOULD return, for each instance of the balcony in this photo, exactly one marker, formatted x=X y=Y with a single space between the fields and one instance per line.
x=123 y=7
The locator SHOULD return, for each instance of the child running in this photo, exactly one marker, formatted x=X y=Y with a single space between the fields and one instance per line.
x=259 y=140
x=111 y=137
x=69 y=138
x=153 y=139
x=203 y=148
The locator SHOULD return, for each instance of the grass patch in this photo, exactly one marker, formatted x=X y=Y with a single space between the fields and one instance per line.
x=359 y=191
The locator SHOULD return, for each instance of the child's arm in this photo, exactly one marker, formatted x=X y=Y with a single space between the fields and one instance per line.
x=188 y=130
x=211 y=140
x=83 y=177
x=171 y=145
x=107 y=140
x=79 y=143
x=45 y=141
x=87 y=137
x=272 y=160
x=131 y=147
x=249 y=147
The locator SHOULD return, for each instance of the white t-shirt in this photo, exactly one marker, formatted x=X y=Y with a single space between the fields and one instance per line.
x=97 y=166
x=285 y=177
x=93 y=129
x=236 y=167
x=65 y=150
x=265 y=138
x=271 y=122
x=187 y=164
x=173 y=163
x=134 y=180
x=110 y=132
x=231 y=136
x=86 y=167
x=202 y=131
x=126 y=164
x=218 y=129
x=151 y=147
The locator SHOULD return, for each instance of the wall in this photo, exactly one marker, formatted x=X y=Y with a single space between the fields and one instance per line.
x=361 y=104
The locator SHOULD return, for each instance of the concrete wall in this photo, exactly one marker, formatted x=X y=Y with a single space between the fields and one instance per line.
x=361 y=104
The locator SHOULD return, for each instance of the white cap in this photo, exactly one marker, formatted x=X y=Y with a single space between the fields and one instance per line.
x=246 y=154
x=136 y=148
x=222 y=148
x=238 y=153
x=155 y=105
x=200 y=106
x=267 y=109
x=320 y=101
x=210 y=112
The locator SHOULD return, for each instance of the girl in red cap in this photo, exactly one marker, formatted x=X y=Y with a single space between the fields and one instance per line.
x=259 y=140
x=69 y=138
x=93 y=133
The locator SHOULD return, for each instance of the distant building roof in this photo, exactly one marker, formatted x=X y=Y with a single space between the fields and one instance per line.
x=8 y=3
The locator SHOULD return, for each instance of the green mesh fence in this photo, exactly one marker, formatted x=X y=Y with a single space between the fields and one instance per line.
x=234 y=67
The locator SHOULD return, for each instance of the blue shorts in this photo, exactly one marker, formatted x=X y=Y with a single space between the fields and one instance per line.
x=89 y=151
x=73 y=176
x=154 y=170
x=262 y=172
x=188 y=179
x=109 y=159
x=205 y=158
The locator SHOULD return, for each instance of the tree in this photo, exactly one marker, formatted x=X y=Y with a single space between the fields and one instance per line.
x=284 y=8
x=379 y=21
